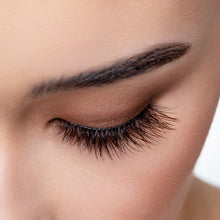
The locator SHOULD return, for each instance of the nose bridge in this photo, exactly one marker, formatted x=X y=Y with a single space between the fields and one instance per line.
x=12 y=187
x=6 y=184
x=10 y=178
x=5 y=200
x=11 y=97
x=19 y=197
x=9 y=114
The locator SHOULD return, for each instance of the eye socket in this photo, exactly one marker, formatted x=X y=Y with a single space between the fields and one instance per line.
x=141 y=131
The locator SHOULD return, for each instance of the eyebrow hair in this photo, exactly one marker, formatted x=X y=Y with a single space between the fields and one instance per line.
x=137 y=64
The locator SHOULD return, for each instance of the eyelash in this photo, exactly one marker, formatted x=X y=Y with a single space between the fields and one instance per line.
x=131 y=136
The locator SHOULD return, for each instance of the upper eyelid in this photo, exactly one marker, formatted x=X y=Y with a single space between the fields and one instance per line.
x=144 y=110
x=96 y=128
x=87 y=127
x=136 y=133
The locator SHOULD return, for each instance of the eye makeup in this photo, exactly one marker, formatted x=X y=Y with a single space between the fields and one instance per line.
x=138 y=133
x=113 y=119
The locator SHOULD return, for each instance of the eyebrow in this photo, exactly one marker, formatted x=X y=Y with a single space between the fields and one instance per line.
x=137 y=64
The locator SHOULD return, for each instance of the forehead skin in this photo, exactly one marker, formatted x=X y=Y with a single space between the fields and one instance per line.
x=76 y=35
x=40 y=40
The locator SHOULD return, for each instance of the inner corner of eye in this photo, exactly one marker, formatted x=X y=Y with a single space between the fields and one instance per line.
x=53 y=122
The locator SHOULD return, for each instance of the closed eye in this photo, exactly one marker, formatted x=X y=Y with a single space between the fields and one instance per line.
x=137 y=133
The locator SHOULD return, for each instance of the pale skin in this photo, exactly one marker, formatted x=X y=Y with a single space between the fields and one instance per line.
x=42 y=177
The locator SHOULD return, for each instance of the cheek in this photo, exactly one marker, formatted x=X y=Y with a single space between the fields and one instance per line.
x=148 y=184
x=151 y=183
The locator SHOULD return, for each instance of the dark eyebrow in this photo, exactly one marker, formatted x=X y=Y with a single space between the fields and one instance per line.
x=137 y=64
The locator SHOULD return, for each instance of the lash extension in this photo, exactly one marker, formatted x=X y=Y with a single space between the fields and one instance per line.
x=150 y=124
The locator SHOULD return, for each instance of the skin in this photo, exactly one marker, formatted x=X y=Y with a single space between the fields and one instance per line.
x=42 y=177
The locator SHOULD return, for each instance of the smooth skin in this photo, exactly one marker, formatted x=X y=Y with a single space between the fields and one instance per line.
x=42 y=177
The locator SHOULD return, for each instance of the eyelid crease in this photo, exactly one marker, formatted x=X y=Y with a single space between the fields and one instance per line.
x=94 y=128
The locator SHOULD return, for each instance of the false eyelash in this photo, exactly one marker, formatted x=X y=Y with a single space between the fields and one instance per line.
x=131 y=136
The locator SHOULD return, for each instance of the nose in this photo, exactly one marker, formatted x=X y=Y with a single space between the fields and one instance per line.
x=13 y=202
x=8 y=164
x=7 y=206
x=22 y=194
